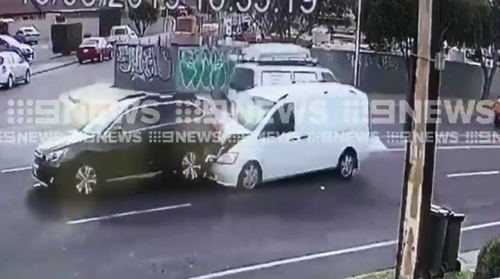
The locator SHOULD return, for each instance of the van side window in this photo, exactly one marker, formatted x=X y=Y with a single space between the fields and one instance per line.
x=276 y=78
x=328 y=77
x=242 y=79
x=282 y=121
x=301 y=77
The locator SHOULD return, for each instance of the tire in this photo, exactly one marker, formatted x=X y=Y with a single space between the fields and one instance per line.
x=191 y=166
x=27 y=77
x=347 y=164
x=80 y=61
x=82 y=181
x=250 y=176
x=10 y=82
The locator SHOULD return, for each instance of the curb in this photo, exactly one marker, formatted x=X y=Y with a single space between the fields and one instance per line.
x=54 y=68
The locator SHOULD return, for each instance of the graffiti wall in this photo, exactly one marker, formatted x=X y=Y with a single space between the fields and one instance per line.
x=203 y=69
x=207 y=70
x=157 y=68
x=142 y=67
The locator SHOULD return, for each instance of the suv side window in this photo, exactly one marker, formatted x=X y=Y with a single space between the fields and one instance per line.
x=328 y=77
x=168 y=113
x=301 y=77
x=131 y=120
x=282 y=121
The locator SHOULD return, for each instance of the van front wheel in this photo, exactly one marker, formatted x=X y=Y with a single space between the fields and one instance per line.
x=250 y=176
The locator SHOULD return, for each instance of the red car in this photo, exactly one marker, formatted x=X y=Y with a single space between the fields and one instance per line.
x=94 y=49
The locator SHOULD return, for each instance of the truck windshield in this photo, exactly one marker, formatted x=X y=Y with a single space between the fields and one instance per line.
x=251 y=111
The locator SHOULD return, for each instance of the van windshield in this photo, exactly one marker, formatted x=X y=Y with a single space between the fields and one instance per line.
x=251 y=111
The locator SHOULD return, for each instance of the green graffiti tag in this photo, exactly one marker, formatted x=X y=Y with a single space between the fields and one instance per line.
x=204 y=69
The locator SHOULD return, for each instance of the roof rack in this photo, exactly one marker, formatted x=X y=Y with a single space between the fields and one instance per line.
x=279 y=60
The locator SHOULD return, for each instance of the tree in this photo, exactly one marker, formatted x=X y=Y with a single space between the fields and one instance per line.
x=485 y=40
x=389 y=24
x=143 y=16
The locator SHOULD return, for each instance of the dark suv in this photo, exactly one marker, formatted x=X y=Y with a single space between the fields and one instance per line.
x=139 y=135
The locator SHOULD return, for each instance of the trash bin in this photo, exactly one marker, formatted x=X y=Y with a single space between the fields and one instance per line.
x=436 y=236
x=452 y=242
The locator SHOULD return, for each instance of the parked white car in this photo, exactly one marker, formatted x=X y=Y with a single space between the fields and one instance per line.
x=31 y=34
x=7 y=41
x=14 y=69
x=122 y=33
x=283 y=131
x=274 y=64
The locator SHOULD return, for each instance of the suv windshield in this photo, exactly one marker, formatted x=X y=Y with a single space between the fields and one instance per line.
x=101 y=122
x=242 y=79
x=252 y=110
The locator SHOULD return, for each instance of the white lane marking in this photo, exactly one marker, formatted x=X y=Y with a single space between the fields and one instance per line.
x=297 y=259
x=327 y=254
x=475 y=173
x=130 y=213
x=16 y=169
x=481 y=226
x=456 y=147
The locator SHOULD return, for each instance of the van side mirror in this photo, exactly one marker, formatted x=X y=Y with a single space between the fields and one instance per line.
x=269 y=131
x=118 y=128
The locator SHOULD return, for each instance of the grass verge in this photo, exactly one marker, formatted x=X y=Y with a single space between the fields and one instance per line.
x=389 y=274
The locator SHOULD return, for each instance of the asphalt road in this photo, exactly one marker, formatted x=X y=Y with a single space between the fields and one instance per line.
x=214 y=229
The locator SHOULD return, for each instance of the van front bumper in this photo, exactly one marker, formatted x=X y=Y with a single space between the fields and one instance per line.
x=223 y=174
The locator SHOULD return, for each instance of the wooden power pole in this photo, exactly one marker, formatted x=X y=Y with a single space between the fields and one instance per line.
x=420 y=156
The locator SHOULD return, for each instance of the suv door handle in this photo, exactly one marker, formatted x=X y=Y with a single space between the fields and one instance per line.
x=304 y=137
x=294 y=139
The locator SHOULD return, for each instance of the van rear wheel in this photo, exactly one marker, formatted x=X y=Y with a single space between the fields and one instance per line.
x=347 y=164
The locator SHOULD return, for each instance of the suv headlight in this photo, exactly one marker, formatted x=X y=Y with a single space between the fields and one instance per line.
x=56 y=155
x=228 y=158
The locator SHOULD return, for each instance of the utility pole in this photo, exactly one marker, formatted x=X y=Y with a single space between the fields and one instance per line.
x=357 y=67
x=414 y=230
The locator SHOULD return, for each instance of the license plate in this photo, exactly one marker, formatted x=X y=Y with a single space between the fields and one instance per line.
x=85 y=50
x=35 y=169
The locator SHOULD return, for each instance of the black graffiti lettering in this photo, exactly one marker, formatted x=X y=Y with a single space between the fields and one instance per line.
x=141 y=61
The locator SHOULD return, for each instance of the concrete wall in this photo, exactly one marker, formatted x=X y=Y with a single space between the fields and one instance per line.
x=205 y=70
x=386 y=73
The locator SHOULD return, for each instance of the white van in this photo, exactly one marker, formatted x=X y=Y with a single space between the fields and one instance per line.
x=121 y=33
x=284 y=131
x=274 y=64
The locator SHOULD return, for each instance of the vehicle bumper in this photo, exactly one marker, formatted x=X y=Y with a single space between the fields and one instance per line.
x=3 y=78
x=87 y=56
x=223 y=174
x=45 y=174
